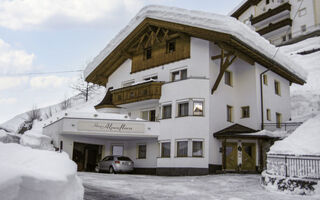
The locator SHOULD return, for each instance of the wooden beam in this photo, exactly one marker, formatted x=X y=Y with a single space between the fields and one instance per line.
x=224 y=64
x=237 y=53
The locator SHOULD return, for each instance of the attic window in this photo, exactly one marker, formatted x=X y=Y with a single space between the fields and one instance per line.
x=171 y=46
x=147 y=53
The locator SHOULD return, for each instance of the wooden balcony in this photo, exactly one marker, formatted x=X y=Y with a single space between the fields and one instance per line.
x=275 y=26
x=271 y=12
x=135 y=93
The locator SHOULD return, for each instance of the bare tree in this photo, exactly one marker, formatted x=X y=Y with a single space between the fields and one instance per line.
x=84 y=88
x=34 y=114
x=65 y=104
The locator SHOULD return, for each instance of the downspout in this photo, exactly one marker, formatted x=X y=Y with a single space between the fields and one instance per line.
x=261 y=98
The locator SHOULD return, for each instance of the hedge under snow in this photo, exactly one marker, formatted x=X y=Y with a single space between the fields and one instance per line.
x=31 y=174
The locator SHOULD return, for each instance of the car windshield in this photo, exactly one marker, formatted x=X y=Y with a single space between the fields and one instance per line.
x=123 y=158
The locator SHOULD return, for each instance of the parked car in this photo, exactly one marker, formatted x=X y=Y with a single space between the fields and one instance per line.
x=115 y=164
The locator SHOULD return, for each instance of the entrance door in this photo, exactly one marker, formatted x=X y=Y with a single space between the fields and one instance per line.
x=117 y=150
x=86 y=155
x=231 y=156
x=248 y=156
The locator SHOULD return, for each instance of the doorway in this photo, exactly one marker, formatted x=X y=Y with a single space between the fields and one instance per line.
x=86 y=156
x=231 y=156
x=248 y=157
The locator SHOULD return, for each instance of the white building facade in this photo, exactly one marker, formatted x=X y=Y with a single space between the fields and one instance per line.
x=186 y=101
x=281 y=21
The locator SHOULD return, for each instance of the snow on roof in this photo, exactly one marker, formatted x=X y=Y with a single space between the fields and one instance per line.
x=267 y=133
x=305 y=140
x=199 y=19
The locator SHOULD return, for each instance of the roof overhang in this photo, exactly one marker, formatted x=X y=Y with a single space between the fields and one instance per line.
x=245 y=5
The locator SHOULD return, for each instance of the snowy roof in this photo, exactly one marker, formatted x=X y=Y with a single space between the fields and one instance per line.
x=304 y=140
x=208 y=21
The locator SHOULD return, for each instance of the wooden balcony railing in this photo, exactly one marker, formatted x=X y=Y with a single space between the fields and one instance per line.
x=135 y=93
x=271 y=12
x=275 y=26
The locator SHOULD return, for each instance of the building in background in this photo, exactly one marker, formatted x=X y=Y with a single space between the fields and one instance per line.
x=281 y=21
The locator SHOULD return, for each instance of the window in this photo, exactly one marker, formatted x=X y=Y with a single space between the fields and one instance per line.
x=267 y=2
x=165 y=149
x=245 y=112
x=148 y=53
x=142 y=151
x=127 y=83
x=182 y=149
x=290 y=36
x=303 y=28
x=151 y=78
x=302 y=12
x=268 y=114
x=197 y=149
x=278 y=120
x=179 y=75
x=171 y=46
x=149 y=115
x=277 y=87
x=166 y=111
x=198 y=108
x=229 y=113
x=228 y=78
x=265 y=79
x=183 y=109
x=284 y=38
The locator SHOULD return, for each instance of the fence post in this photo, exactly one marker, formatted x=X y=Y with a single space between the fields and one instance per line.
x=285 y=162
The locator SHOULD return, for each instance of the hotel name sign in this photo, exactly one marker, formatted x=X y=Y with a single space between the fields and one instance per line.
x=111 y=127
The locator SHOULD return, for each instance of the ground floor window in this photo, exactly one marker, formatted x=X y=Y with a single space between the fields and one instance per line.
x=182 y=149
x=197 y=148
x=165 y=149
x=183 y=109
x=142 y=151
x=149 y=115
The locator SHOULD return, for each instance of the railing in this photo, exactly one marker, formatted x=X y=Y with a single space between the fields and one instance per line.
x=134 y=93
x=288 y=126
x=270 y=13
x=307 y=167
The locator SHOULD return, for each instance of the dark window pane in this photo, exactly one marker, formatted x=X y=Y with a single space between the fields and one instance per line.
x=152 y=115
x=166 y=113
x=197 y=148
x=142 y=151
x=182 y=149
x=165 y=149
x=123 y=158
x=248 y=150
x=183 y=109
x=148 y=53
x=183 y=74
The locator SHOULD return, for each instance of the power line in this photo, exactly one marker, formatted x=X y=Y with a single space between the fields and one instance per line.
x=42 y=73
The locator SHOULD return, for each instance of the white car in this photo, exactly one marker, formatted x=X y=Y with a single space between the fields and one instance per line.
x=115 y=164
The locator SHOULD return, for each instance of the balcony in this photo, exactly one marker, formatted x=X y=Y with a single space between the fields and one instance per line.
x=288 y=126
x=136 y=93
x=275 y=26
x=271 y=13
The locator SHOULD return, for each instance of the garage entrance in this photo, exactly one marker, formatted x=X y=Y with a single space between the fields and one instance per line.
x=86 y=156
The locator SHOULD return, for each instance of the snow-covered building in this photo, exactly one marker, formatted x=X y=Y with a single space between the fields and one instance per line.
x=186 y=93
x=281 y=21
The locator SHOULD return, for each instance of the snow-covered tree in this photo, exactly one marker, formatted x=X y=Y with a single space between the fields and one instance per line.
x=84 y=88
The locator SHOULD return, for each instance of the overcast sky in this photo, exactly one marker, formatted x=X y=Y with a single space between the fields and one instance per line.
x=46 y=35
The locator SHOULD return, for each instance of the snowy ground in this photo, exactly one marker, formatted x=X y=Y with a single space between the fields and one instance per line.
x=215 y=187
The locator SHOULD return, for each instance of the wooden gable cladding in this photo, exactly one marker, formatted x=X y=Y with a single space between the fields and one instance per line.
x=157 y=38
x=124 y=50
x=136 y=93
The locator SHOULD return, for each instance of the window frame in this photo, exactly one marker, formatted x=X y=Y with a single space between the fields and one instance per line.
x=192 y=144
x=265 y=79
x=193 y=107
x=229 y=107
x=138 y=151
x=277 y=87
x=149 y=115
x=179 y=74
x=166 y=105
x=268 y=113
x=230 y=82
x=168 y=50
x=178 y=155
x=278 y=120
x=243 y=112
x=161 y=151
x=179 y=109
x=147 y=53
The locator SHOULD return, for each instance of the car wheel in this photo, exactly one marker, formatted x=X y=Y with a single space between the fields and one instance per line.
x=111 y=170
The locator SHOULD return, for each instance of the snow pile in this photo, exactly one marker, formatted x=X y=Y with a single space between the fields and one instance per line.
x=305 y=140
x=209 y=21
x=267 y=133
x=6 y=137
x=36 y=140
x=30 y=174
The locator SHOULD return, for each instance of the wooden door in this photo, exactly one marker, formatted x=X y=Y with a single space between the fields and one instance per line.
x=231 y=155
x=248 y=157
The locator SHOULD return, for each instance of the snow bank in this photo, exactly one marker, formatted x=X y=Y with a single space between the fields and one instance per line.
x=36 y=140
x=305 y=140
x=30 y=174
x=209 y=21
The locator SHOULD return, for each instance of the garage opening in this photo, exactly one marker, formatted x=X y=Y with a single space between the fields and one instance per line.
x=86 y=156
